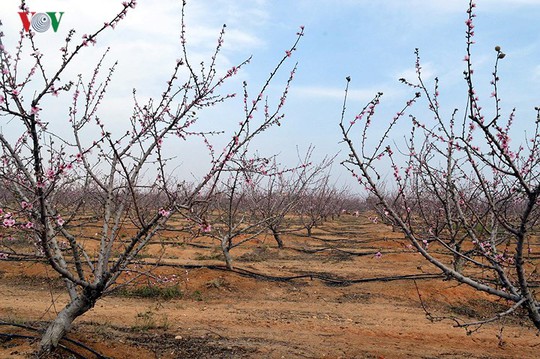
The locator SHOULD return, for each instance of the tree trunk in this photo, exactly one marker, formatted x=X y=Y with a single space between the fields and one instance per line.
x=225 y=247
x=533 y=312
x=62 y=323
x=277 y=238
x=459 y=261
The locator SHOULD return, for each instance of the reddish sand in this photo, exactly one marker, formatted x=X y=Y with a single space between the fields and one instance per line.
x=229 y=315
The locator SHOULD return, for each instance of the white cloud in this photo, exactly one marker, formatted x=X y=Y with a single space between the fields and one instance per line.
x=330 y=93
x=536 y=72
x=147 y=42
x=335 y=93
x=427 y=70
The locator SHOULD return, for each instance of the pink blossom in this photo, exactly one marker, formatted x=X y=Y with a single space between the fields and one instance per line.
x=60 y=221
x=205 y=227
x=50 y=174
x=164 y=212
x=9 y=222
x=34 y=110
x=2 y=99
x=378 y=255
x=29 y=225
x=26 y=205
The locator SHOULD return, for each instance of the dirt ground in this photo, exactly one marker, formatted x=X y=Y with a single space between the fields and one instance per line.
x=220 y=314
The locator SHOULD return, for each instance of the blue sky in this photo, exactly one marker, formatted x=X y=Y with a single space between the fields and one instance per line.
x=371 y=41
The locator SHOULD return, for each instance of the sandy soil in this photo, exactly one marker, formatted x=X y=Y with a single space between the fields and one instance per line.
x=222 y=314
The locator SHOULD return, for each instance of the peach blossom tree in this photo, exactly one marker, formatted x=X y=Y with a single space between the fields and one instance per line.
x=462 y=188
x=73 y=195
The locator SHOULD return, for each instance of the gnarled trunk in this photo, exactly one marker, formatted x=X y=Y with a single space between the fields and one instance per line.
x=62 y=323
x=226 y=244
x=458 y=261
x=277 y=237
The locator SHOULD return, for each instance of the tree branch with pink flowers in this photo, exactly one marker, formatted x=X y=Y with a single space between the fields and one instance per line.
x=56 y=185
x=464 y=194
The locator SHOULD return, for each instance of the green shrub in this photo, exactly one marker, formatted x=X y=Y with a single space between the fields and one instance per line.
x=152 y=291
